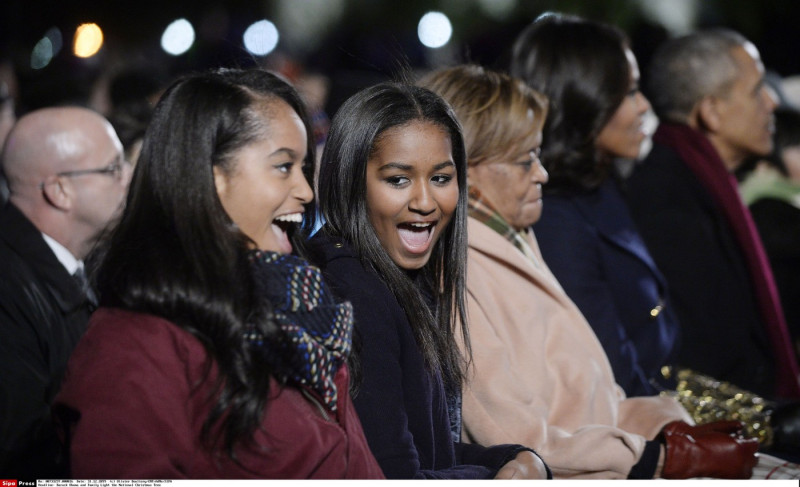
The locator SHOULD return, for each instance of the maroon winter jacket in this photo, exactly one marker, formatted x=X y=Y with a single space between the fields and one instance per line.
x=130 y=380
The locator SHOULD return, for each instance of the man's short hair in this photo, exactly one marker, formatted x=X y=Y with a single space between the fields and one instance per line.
x=686 y=69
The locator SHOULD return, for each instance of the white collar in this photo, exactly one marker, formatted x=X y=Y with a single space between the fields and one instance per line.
x=70 y=263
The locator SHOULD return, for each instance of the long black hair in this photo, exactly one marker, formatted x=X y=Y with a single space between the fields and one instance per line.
x=580 y=65
x=357 y=126
x=176 y=253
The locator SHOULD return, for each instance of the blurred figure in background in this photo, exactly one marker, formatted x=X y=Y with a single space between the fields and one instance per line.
x=7 y=113
x=772 y=192
x=133 y=93
x=7 y=119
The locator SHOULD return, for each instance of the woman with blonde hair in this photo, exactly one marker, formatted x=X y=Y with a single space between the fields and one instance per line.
x=392 y=193
x=539 y=375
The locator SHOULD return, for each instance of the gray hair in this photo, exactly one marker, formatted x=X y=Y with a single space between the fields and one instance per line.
x=688 y=68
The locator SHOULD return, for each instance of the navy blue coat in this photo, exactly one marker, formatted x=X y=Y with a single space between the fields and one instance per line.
x=401 y=405
x=590 y=243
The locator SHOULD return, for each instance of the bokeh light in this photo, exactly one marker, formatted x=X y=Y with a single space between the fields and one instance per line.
x=178 y=37
x=56 y=39
x=42 y=53
x=434 y=30
x=261 y=38
x=47 y=48
x=88 y=40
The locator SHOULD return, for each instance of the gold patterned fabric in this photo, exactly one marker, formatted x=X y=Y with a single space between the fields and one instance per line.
x=707 y=399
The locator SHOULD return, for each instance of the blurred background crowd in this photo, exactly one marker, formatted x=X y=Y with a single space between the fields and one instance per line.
x=734 y=350
x=338 y=46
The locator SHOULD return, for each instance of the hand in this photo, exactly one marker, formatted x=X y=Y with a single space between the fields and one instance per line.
x=526 y=465
x=710 y=450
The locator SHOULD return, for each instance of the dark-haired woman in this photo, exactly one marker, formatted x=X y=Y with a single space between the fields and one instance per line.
x=586 y=234
x=215 y=353
x=392 y=192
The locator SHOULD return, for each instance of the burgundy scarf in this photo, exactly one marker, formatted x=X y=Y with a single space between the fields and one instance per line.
x=703 y=160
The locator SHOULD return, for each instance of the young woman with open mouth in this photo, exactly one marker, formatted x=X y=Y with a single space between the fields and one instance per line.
x=215 y=352
x=392 y=192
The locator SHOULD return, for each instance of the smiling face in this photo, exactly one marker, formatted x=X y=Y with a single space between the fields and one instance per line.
x=263 y=190
x=744 y=115
x=412 y=190
x=623 y=134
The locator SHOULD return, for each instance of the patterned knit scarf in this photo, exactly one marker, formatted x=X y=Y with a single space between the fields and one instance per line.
x=315 y=331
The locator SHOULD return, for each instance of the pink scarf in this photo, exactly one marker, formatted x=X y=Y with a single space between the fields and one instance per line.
x=703 y=160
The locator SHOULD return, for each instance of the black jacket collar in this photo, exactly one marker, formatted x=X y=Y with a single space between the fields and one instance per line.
x=24 y=239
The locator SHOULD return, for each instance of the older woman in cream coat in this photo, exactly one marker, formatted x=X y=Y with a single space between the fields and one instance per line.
x=539 y=375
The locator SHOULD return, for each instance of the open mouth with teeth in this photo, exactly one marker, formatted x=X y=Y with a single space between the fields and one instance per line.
x=283 y=227
x=416 y=237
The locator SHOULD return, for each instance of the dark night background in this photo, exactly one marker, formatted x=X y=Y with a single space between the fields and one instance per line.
x=369 y=39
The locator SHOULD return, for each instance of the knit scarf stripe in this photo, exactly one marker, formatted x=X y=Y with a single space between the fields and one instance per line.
x=315 y=331
x=480 y=209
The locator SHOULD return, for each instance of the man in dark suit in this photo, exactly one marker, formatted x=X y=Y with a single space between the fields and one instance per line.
x=67 y=180
x=708 y=90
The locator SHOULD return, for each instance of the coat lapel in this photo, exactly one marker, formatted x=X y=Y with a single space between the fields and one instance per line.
x=485 y=240
x=603 y=208
x=26 y=240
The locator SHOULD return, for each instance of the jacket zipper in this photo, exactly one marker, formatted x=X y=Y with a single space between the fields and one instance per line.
x=319 y=406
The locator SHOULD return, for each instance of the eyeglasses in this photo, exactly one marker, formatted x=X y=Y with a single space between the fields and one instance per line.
x=528 y=163
x=114 y=169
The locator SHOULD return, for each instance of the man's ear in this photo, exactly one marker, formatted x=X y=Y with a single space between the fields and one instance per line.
x=58 y=193
x=707 y=114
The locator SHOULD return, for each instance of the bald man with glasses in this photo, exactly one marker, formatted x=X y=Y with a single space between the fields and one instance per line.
x=66 y=180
